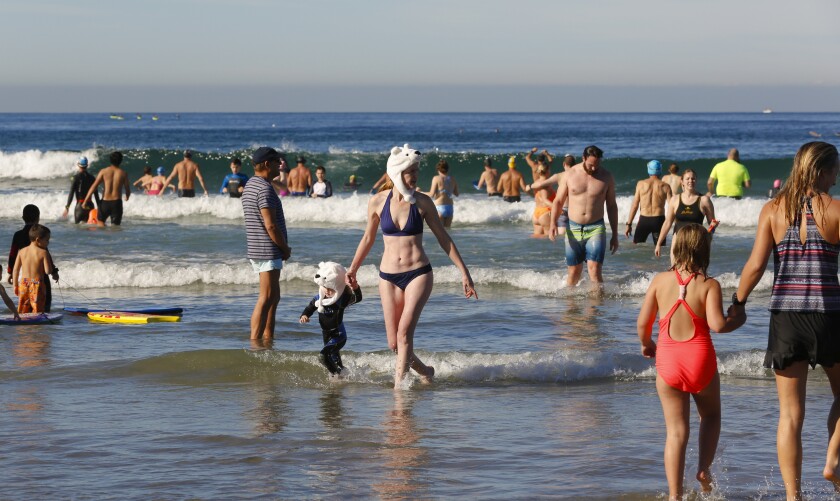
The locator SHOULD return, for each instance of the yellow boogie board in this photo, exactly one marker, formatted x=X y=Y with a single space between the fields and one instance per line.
x=117 y=317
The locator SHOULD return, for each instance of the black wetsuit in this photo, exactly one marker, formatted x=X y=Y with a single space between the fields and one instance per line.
x=648 y=225
x=332 y=327
x=82 y=182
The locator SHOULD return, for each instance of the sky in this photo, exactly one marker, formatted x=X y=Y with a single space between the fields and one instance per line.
x=430 y=55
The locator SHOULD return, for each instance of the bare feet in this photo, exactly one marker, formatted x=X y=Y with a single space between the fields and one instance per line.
x=831 y=475
x=706 y=480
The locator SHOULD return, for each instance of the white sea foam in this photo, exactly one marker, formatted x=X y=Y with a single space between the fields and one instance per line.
x=341 y=209
x=36 y=164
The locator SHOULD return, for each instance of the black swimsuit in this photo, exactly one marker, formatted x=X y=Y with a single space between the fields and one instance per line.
x=687 y=214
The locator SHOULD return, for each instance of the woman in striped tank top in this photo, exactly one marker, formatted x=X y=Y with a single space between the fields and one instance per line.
x=801 y=227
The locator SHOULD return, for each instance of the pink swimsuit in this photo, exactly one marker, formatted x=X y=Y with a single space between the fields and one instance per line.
x=688 y=365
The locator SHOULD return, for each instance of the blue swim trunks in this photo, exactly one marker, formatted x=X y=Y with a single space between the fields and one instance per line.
x=585 y=242
x=446 y=210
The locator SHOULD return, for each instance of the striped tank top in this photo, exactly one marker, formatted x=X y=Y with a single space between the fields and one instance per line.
x=805 y=276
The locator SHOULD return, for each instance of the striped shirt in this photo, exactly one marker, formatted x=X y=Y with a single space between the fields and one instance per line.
x=805 y=275
x=257 y=195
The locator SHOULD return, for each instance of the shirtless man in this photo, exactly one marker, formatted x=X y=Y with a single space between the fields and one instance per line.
x=543 y=158
x=651 y=195
x=588 y=187
x=187 y=171
x=489 y=178
x=511 y=182
x=563 y=218
x=300 y=179
x=674 y=179
x=115 y=180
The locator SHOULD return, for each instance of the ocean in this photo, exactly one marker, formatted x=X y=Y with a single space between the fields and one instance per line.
x=541 y=391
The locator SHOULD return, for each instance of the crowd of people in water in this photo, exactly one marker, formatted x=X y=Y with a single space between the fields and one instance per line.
x=800 y=226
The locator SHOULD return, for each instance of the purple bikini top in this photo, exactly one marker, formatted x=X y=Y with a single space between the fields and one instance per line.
x=414 y=225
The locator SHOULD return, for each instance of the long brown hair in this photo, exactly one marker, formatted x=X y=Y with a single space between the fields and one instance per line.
x=810 y=161
x=692 y=248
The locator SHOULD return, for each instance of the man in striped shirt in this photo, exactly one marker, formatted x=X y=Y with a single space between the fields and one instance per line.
x=265 y=232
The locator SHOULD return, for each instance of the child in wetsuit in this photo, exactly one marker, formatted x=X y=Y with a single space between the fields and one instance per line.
x=689 y=303
x=330 y=304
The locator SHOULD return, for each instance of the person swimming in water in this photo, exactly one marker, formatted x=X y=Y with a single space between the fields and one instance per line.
x=405 y=274
x=443 y=188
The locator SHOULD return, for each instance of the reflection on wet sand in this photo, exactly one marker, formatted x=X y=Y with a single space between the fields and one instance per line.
x=332 y=413
x=404 y=458
x=577 y=320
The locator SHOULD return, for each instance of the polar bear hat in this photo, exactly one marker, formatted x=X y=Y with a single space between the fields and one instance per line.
x=330 y=275
x=400 y=160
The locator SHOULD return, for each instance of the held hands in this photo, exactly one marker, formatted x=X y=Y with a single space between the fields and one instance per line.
x=649 y=349
x=736 y=314
x=304 y=319
x=351 y=281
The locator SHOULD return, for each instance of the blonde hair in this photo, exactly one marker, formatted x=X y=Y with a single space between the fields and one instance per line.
x=810 y=161
x=692 y=249
x=387 y=185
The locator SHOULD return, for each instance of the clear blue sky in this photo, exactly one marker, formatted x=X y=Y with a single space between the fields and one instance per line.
x=430 y=55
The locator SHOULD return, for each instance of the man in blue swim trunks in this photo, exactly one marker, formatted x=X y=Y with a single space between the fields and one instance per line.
x=588 y=187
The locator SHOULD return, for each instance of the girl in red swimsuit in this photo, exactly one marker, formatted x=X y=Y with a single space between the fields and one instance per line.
x=689 y=303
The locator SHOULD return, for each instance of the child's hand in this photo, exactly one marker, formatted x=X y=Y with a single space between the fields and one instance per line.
x=649 y=349
x=736 y=314
x=304 y=319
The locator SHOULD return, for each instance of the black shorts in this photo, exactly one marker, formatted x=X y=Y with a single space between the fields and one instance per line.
x=648 y=225
x=796 y=336
x=186 y=193
x=112 y=209
x=496 y=194
x=511 y=200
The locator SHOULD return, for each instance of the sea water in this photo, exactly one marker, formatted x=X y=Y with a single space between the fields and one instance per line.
x=540 y=391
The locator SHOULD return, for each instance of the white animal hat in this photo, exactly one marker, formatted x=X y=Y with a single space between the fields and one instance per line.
x=330 y=275
x=400 y=160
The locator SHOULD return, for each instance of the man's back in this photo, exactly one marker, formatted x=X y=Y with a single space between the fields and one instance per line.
x=114 y=180
x=185 y=170
x=489 y=177
x=653 y=193
x=300 y=179
x=509 y=183
x=731 y=177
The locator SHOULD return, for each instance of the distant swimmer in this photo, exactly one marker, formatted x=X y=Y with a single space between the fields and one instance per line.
x=542 y=209
x=511 y=182
x=187 y=170
x=731 y=175
x=777 y=187
x=281 y=181
x=489 y=178
x=543 y=159
x=322 y=188
x=300 y=179
x=234 y=183
x=352 y=183
x=157 y=185
x=588 y=187
x=673 y=178
x=649 y=199
x=79 y=187
x=116 y=183
x=443 y=188
x=145 y=180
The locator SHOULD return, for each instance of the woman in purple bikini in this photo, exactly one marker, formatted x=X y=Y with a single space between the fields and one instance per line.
x=405 y=272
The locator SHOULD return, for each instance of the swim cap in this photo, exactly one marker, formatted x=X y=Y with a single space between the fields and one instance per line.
x=512 y=162
x=777 y=183
x=160 y=170
x=352 y=177
x=654 y=168
x=82 y=162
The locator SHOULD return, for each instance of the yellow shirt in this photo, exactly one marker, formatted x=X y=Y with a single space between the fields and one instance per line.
x=730 y=176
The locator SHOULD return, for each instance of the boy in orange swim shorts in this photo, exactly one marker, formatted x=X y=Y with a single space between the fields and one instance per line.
x=32 y=265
